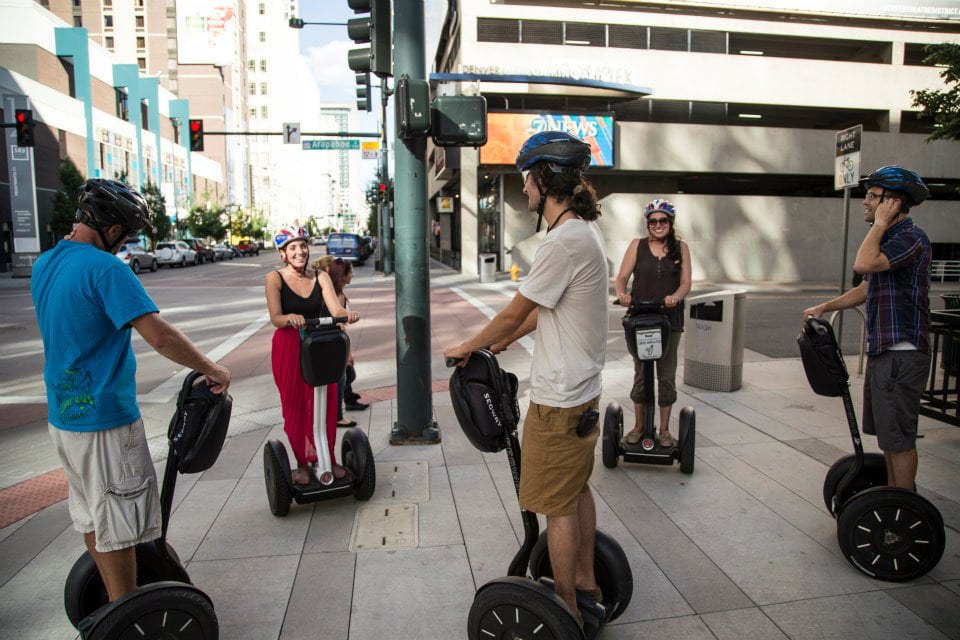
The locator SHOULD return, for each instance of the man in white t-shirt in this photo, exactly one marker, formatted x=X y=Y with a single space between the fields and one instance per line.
x=564 y=297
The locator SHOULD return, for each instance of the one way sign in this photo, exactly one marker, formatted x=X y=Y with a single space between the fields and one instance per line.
x=291 y=133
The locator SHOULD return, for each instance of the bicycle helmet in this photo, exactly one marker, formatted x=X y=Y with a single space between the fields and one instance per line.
x=661 y=205
x=894 y=178
x=103 y=203
x=563 y=152
x=286 y=235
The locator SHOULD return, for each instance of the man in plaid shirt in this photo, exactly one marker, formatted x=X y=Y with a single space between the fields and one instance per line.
x=895 y=260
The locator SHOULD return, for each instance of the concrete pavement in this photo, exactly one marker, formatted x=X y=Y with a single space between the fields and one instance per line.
x=743 y=548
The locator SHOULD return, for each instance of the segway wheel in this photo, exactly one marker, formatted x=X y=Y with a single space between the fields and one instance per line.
x=84 y=591
x=873 y=473
x=356 y=454
x=610 y=567
x=612 y=432
x=688 y=439
x=891 y=534
x=276 y=467
x=163 y=610
x=505 y=609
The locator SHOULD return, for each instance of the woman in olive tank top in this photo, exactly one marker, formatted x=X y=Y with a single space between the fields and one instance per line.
x=295 y=293
x=660 y=267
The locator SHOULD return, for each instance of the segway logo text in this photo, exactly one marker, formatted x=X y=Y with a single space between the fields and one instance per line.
x=493 y=412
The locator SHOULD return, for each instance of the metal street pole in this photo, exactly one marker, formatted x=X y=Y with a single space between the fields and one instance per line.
x=843 y=267
x=386 y=233
x=415 y=424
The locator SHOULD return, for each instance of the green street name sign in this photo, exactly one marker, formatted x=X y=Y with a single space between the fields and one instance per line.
x=331 y=145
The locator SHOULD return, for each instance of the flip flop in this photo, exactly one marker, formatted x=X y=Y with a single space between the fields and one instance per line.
x=633 y=437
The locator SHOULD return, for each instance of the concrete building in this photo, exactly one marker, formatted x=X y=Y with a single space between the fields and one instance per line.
x=729 y=109
x=93 y=107
x=348 y=211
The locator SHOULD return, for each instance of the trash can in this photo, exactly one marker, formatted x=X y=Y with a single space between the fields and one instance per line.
x=488 y=267
x=713 y=345
x=950 y=352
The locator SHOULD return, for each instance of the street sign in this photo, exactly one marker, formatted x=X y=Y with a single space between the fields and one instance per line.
x=370 y=150
x=846 y=171
x=291 y=133
x=331 y=145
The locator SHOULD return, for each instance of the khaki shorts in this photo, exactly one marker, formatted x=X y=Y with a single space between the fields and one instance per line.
x=555 y=463
x=113 y=484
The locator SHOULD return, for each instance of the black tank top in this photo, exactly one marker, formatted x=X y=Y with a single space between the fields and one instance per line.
x=310 y=307
x=655 y=278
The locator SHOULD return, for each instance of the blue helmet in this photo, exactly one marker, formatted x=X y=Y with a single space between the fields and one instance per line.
x=894 y=178
x=563 y=152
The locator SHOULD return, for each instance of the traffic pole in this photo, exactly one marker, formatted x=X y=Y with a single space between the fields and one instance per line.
x=415 y=423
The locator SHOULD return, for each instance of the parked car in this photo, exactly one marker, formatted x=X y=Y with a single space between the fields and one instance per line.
x=205 y=252
x=248 y=248
x=225 y=251
x=348 y=246
x=176 y=252
x=320 y=240
x=134 y=255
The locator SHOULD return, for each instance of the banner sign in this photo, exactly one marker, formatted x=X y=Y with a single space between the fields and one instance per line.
x=206 y=32
x=506 y=133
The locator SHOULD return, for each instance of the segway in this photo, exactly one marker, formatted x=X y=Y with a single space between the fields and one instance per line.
x=888 y=533
x=165 y=604
x=647 y=332
x=515 y=606
x=323 y=359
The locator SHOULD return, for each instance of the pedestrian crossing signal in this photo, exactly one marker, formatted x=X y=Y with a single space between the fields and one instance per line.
x=196 y=135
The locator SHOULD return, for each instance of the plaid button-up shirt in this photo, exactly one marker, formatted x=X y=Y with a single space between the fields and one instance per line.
x=898 y=303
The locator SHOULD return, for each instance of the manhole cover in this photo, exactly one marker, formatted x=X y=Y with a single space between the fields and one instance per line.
x=402 y=482
x=384 y=527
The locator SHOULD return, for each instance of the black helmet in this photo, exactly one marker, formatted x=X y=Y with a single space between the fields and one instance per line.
x=106 y=202
x=564 y=153
x=894 y=178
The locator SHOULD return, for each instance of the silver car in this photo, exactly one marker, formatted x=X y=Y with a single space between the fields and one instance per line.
x=176 y=253
x=137 y=258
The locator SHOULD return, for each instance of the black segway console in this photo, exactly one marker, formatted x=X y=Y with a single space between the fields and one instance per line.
x=888 y=533
x=196 y=434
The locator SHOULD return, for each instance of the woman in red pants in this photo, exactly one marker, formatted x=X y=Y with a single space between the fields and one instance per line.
x=295 y=293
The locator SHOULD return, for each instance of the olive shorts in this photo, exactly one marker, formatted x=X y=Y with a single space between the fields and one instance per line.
x=891 y=398
x=666 y=372
x=555 y=463
x=113 y=484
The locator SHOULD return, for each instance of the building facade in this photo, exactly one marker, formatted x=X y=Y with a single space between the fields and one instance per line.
x=727 y=109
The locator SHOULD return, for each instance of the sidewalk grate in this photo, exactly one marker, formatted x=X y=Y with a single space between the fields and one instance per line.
x=384 y=528
x=28 y=497
x=402 y=482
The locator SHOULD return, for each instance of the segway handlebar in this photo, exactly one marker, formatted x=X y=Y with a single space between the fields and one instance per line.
x=315 y=323
x=654 y=305
x=483 y=351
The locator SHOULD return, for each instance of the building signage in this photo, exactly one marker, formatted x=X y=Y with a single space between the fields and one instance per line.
x=206 y=32
x=331 y=145
x=506 y=133
x=920 y=9
x=846 y=171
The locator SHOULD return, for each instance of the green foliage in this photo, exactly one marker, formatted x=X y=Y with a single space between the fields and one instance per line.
x=121 y=176
x=65 y=200
x=157 y=204
x=942 y=106
x=372 y=221
x=207 y=223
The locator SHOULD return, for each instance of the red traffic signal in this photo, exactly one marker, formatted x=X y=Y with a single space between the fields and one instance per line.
x=196 y=135
x=24 y=123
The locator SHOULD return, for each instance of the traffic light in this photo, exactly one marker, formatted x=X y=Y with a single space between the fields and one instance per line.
x=364 y=98
x=296 y=23
x=382 y=187
x=24 y=120
x=376 y=29
x=196 y=135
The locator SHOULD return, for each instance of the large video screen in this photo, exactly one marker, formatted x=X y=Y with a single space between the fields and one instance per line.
x=506 y=133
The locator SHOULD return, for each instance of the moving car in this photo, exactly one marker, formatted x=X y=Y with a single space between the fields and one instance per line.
x=348 y=246
x=176 y=252
x=134 y=255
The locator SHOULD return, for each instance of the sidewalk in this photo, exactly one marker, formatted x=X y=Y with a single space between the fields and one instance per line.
x=743 y=548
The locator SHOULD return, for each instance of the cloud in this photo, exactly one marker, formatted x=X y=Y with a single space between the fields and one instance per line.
x=328 y=64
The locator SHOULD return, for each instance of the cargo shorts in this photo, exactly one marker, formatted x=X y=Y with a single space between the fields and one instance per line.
x=113 y=484
x=892 y=387
x=555 y=463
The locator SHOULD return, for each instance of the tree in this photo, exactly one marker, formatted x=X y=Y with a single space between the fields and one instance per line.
x=942 y=106
x=157 y=205
x=207 y=223
x=65 y=200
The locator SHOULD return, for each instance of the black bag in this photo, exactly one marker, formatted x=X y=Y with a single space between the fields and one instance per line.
x=822 y=361
x=323 y=356
x=647 y=335
x=485 y=402
x=199 y=426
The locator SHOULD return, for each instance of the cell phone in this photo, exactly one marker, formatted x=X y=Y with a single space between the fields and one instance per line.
x=588 y=422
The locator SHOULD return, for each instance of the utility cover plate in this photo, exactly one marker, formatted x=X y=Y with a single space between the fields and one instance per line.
x=384 y=528
x=404 y=481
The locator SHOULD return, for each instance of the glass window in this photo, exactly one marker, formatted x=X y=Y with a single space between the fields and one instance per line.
x=262 y=8
x=138 y=22
x=253 y=88
x=253 y=112
x=263 y=112
x=122 y=104
x=263 y=36
x=498 y=30
x=263 y=65
x=108 y=42
x=108 y=21
x=263 y=88
x=251 y=65
x=78 y=21
x=627 y=36
x=141 y=42
x=542 y=32
x=585 y=34
x=142 y=64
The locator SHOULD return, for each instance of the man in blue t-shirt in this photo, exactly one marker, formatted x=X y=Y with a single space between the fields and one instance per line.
x=894 y=258
x=87 y=301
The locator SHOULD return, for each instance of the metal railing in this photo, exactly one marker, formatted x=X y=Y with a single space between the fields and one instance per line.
x=863 y=333
x=940 y=399
x=943 y=270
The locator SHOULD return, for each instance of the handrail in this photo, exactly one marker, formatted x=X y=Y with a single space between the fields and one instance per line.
x=863 y=332
x=944 y=269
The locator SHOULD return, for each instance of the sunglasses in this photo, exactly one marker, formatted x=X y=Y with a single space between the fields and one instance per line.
x=658 y=222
